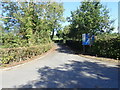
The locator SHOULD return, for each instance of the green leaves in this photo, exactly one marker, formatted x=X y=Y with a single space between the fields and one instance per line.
x=90 y=17
x=107 y=45
x=23 y=53
x=33 y=23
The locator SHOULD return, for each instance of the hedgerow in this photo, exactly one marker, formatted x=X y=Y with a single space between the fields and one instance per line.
x=107 y=47
x=8 y=55
x=104 y=46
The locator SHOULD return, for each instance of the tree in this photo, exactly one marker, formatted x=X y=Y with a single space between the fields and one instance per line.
x=54 y=13
x=91 y=17
x=34 y=23
x=63 y=33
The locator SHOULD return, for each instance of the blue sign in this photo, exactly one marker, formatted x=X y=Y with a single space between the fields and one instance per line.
x=87 y=39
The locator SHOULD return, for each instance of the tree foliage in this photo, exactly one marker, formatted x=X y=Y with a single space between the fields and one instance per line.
x=91 y=17
x=63 y=33
x=30 y=23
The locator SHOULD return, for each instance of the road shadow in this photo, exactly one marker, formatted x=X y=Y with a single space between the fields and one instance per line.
x=76 y=74
x=64 y=49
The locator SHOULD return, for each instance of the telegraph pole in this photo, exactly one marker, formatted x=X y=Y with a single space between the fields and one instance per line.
x=119 y=17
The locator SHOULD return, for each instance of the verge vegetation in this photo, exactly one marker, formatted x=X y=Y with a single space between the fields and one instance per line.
x=106 y=46
x=27 y=29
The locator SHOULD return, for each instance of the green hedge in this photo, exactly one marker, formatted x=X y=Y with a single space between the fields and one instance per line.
x=107 y=47
x=104 y=45
x=8 y=55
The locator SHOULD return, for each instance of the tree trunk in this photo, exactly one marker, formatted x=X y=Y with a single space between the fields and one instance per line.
x=52 y=35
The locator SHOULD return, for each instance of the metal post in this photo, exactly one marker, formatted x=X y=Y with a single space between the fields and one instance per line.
x=83 y=49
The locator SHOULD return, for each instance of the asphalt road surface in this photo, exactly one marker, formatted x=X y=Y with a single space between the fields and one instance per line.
x=62 y=69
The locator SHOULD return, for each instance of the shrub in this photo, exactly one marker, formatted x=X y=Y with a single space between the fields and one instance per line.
x=8 y=55
x=109 y=47
x=105 y=45
x=77 y=45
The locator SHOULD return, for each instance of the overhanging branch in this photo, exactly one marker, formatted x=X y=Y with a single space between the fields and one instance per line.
x=7 y=17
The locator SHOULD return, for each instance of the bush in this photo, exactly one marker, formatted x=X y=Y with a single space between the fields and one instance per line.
x=105 y=45
x=8 y=55
x=77 y=45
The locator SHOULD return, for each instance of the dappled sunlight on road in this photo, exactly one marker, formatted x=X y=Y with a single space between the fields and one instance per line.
x=75 y=75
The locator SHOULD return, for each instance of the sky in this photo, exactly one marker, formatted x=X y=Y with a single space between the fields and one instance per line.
x=112 y=6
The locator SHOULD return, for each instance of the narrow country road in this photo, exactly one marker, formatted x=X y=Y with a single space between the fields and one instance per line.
x=62 y=69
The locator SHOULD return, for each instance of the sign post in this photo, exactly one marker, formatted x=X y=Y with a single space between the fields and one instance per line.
x=87 y=39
